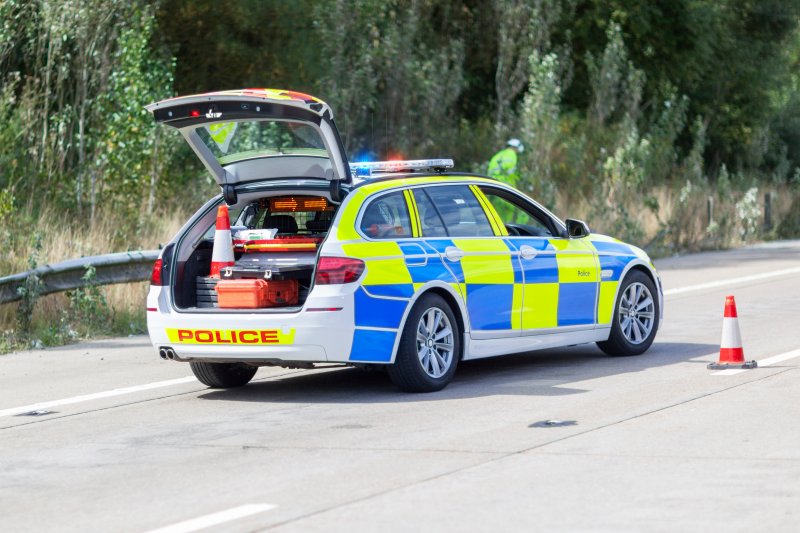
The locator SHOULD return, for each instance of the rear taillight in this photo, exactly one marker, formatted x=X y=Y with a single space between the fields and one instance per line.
x=155 y=276
x=337 y=270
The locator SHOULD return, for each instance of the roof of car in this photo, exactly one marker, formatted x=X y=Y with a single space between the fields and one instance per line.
x=410 y=178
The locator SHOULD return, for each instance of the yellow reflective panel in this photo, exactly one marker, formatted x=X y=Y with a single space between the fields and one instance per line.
x=460 y=288
x=576 y=261
x=605 y=307
x=382 y=185
x=346 y=227
x=517 y=309
x=367 y=249
x=486 y=261
x=541 y=306
x=386 y=272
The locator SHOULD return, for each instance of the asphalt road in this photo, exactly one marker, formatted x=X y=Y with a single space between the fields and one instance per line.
x=104 y=436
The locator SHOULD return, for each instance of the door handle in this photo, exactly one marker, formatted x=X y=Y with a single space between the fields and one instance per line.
x=453 y=254
x=527 y=252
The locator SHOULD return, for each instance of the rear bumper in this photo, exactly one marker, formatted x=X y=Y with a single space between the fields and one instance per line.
x=308 y=335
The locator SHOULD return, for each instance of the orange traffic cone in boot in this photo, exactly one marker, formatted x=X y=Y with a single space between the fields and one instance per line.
x=731 y=353
x=222 y=255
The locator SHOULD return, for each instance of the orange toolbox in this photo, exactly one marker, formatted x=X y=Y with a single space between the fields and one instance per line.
x=255 y=293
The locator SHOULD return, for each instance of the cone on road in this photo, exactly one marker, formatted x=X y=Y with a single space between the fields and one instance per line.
x=731 y=353
x=222 y=255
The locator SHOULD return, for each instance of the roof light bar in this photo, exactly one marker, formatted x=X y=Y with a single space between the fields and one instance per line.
x=370 y=168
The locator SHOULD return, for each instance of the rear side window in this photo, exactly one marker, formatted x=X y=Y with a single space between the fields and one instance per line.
x=386 y=217
x=432 y=225
x=462 y=214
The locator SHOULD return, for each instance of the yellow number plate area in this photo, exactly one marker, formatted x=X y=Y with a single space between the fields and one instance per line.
x=246 y=337
x=485 y=261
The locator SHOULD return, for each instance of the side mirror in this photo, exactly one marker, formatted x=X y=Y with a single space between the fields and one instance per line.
x=577 y=228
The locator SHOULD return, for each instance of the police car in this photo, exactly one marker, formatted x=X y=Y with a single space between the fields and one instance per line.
x=402 y=263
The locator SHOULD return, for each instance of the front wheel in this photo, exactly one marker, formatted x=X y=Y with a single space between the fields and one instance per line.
x=635 y=319
x=223 y=375
x=429 y=349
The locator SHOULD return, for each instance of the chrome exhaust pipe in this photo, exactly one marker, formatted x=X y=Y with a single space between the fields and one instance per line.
x=162 y=353
x=170 y=354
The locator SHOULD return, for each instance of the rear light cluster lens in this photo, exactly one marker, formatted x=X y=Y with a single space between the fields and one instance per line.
x=338 y=270
x=155 y=276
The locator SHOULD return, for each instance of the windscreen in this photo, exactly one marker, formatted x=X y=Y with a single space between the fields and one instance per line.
x=236 y=141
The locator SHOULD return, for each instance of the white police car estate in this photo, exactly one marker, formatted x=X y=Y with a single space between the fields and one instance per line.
x=400 y=264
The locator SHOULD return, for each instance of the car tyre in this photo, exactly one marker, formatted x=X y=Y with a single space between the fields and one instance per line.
x=223 y=375
x=429 y=349
x=635 y=319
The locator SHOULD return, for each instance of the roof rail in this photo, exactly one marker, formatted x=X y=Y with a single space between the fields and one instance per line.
x=368 y=169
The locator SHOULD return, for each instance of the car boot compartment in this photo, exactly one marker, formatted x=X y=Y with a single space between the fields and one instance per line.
x=275 y=242
x=258 y=281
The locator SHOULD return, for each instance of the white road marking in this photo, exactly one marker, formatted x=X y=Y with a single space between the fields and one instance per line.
x=764 y=362
x=215 y=519
x=732 y=281
x=94 y=396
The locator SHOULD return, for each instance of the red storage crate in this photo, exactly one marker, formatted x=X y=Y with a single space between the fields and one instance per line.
x=255 y=293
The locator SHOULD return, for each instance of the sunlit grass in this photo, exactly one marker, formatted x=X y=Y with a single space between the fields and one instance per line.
x=63 y=238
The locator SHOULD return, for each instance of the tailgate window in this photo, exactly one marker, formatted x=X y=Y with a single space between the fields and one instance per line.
x=236 y=141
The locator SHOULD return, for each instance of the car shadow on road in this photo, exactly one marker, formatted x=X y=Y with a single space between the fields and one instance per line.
x=539 y=373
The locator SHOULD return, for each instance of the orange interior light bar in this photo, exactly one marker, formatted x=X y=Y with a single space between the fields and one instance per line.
x=300 y=203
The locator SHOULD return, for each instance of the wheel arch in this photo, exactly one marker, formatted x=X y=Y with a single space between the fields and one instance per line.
x=457 y=312
x=641 y=266
x=454 y=300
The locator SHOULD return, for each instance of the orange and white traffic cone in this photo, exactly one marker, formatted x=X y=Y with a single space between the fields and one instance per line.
x=222 y=255
x=731 y=353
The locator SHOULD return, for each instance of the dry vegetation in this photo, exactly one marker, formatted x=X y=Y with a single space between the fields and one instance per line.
x=59 y=318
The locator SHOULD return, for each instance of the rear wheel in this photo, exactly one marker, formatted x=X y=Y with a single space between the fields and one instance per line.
x=223 y=375
x=635 y=319
x=429 y=348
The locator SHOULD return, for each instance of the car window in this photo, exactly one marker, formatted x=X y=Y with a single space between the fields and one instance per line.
x=462 y=214
x=432 y=225
x=518 y=219
x=235 y=141
x=386 y=217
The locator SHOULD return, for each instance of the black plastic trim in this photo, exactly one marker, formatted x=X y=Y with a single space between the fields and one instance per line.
x=179 y=116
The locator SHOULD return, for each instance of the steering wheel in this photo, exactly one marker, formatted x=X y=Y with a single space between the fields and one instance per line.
x=514 y=230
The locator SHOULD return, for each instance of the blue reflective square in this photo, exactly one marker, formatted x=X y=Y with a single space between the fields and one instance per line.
x=371 y=345
x=576 y=303
x=489 y=305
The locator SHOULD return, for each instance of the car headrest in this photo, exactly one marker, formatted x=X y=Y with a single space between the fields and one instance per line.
x=284 y=223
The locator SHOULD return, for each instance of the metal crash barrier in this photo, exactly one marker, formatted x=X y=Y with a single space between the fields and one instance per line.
x=122 y=267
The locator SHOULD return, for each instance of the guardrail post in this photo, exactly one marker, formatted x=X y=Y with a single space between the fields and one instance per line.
x=710 y=210
x=767 y=211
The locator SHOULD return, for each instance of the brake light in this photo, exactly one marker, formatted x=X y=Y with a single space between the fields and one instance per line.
x=155 y=276
x=338 y=270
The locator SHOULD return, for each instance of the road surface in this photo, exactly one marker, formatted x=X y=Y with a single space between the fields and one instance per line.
x=105 y=436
